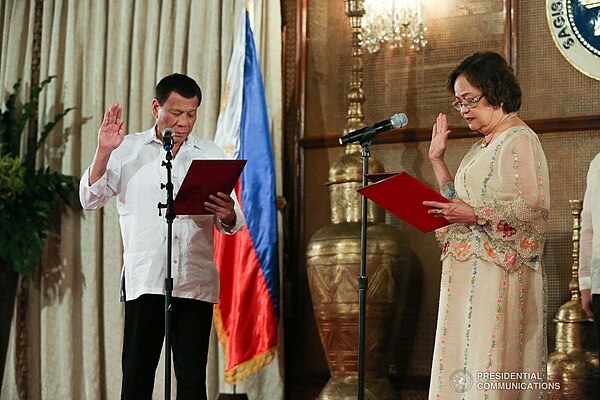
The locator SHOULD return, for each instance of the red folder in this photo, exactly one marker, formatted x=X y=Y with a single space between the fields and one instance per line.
x=403 y=196
x=203 y=178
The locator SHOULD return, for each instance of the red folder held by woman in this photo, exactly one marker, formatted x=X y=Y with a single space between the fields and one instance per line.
x=403 y=195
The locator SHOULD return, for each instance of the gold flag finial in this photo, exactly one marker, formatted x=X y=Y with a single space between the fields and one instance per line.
x=590 y=3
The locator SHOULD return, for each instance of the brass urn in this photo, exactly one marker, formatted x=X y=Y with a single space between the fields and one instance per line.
x=574 y=364
x=333 y=260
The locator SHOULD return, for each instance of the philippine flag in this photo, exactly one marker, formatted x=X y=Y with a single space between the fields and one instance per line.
x=247 y=315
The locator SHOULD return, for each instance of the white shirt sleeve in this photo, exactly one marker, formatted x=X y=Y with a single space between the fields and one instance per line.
x=586 y=238
x=93 y=197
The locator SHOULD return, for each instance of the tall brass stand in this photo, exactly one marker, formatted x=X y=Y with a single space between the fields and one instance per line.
x=574 y=364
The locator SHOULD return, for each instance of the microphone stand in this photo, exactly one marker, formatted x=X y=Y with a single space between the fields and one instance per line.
x=363 y=281
x=169 y=216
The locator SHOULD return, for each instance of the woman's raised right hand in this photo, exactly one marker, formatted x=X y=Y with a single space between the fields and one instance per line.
x=439 y=138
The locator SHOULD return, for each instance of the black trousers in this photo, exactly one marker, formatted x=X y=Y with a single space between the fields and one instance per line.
x=143 y=341
x=596 y=310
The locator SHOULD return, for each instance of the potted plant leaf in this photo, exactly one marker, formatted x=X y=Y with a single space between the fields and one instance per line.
x=29 y=197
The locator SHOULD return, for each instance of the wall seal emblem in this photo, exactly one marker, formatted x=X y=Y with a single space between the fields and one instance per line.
x=575 y=28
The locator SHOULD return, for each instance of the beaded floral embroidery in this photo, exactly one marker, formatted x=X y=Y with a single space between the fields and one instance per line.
x=493 y=338
x=515 y=231
x=489 y=250
x=444 y=331
x=447 y=190
x=446 y=247
x=505 y=229
x=470 y=315
x=521 y=314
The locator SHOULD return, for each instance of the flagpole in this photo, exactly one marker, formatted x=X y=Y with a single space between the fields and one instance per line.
x=243 y=132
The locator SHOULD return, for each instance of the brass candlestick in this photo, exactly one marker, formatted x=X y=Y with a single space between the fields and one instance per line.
x=574 y=364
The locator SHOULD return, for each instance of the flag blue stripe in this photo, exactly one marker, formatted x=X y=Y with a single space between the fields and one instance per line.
x=258 y=178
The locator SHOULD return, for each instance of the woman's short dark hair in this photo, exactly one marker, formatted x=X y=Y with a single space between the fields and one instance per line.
x=490 y=73
x=179 y=83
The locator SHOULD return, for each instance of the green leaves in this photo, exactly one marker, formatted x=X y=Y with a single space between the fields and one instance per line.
x=12 y=173
x=10 y=135
x=25 y=220
x=29 y=197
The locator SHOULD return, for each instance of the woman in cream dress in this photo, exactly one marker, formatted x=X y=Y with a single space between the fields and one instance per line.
x=491 y=330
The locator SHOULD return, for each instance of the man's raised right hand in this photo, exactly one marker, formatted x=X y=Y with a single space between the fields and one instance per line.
x=112 y=130
x=110 y=136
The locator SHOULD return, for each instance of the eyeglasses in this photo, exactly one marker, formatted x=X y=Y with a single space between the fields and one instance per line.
x=468 y=103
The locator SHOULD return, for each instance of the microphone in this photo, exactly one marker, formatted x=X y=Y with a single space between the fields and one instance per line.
x=395 y=121
x=167 y=138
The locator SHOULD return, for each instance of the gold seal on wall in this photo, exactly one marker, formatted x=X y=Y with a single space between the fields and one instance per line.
x=575 y=28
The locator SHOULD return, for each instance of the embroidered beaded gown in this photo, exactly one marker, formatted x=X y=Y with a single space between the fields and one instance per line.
x=492 y=310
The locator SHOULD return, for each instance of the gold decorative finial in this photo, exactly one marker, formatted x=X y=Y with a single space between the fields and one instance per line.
x=356 y=96
x=576 y=207
x=590 y=3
